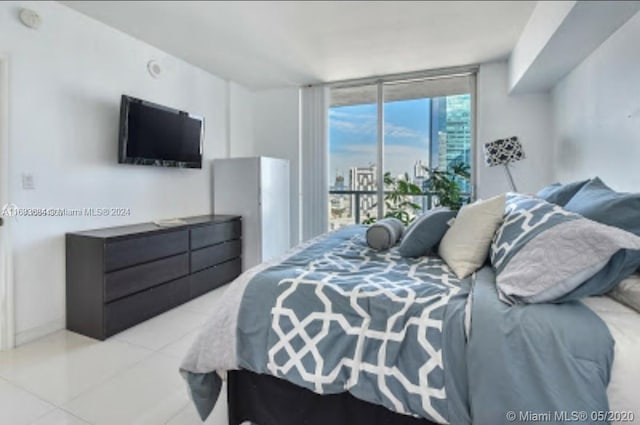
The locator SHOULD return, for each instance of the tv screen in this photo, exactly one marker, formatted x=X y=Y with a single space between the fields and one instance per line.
x=152 y=134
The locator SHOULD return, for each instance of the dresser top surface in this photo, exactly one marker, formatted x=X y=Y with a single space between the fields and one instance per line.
x=141 y=228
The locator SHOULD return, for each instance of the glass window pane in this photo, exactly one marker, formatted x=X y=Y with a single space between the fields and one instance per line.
x=424 y=129
x=406 y=148
x=451 y=134
x=353 y=135
x=427 y=126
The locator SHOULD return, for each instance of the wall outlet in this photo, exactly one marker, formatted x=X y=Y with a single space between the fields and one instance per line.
x=28 y=182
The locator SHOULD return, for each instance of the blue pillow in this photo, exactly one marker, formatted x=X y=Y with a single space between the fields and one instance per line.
x=600 y=203
x=425 y=232
x=560 y=194
x=543 y=253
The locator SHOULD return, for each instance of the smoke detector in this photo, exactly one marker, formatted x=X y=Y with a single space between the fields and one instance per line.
x=30 y=18
x=154 y=68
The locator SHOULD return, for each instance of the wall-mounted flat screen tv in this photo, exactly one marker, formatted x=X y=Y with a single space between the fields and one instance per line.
x=152 y=134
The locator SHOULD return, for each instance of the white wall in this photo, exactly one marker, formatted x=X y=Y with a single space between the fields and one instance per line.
x=559 y=36
x=276 y=118
x=542 y=25
x=65 y=84
x=241 y=125
x=267 y=123
x=501 y=115
x=597 y=114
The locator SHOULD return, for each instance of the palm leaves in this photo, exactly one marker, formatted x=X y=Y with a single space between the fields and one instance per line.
x=444 y=184
x=398 y=199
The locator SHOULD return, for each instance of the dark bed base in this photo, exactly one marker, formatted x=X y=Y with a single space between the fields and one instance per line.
x=265 y=400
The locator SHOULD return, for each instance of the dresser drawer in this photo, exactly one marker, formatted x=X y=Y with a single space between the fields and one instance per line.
x=210 y=256
x=215 y=233
x=137 y=278
x=124 y=253
x=120 y=276
x=213 y=277
x=124 y=313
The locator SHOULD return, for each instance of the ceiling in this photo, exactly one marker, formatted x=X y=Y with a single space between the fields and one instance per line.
x=268 y=44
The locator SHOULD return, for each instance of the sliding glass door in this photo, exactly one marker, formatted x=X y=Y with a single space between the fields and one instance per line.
x=385 y=137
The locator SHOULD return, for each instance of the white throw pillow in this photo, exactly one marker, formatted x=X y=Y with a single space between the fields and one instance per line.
x=466 y=244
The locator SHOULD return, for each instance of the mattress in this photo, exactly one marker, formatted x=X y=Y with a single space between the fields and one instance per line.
x=624 y=325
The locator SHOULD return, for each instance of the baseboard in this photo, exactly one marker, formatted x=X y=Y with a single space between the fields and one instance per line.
x=45 y=329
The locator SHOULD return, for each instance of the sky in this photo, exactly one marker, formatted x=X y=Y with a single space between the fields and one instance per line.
x=353 y=136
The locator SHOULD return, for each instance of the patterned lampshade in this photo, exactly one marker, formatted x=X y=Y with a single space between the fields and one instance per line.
x=503 y=151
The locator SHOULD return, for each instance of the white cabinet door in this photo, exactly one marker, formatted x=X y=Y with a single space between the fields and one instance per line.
x=258 y=190
x=275 y=192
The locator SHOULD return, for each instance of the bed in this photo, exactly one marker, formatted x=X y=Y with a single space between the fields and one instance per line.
x=344 y=334
x=253 y=396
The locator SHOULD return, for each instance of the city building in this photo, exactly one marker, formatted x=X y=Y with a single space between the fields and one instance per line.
x=339 y=205
x=451 y=133
x=364 y=179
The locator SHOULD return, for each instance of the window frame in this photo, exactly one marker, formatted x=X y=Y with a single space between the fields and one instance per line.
x=468 y=72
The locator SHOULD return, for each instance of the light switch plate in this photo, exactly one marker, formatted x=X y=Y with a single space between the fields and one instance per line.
x=28 y=182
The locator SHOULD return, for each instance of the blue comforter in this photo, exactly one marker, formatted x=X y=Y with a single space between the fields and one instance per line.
x=407 y=334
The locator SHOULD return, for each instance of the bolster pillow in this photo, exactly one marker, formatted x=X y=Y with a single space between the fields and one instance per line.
x=384 y=233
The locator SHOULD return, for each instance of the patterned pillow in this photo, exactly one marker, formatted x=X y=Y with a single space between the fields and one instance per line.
x=543 y=253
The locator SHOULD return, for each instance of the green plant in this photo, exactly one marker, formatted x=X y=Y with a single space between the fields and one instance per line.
x=398 y=202
x=400 y=191
x=443 y=184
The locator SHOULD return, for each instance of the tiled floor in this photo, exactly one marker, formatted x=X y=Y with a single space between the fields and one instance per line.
x=132 y=378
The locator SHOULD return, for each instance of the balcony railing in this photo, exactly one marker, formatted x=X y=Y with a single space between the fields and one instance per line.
x=426 y=200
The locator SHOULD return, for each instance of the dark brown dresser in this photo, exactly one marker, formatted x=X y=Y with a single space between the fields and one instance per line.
x=120 y=276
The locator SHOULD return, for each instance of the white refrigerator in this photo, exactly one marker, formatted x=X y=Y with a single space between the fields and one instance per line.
x=257 y=189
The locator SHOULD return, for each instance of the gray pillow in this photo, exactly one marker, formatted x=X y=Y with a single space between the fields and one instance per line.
x=600 y=203
x=543 y=253
x=560 y=194
x=384 y=233
x=425 y=232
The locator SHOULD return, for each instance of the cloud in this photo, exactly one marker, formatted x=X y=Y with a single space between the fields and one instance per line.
x=407 y=152
x=366 y=124
x=335 y=113
x=355 y=143
x=366 y=127
x=365 y=151
x=400 y=131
